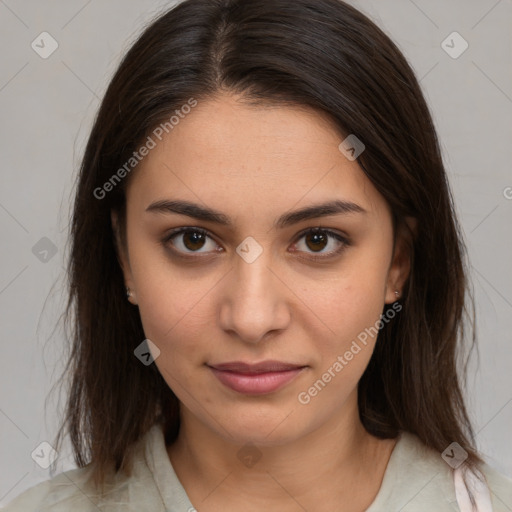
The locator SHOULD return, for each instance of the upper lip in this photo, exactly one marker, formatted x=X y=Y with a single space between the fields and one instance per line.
x=262 y=367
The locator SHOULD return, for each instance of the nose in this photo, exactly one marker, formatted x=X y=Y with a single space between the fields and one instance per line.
x=254 y=302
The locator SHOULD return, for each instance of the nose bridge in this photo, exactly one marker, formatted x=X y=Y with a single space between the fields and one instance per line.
x=253 y=277
x=254 y=303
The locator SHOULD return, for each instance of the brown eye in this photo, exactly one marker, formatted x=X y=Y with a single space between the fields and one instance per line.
x=317 y=239
x=193 y=240
x=190 y=240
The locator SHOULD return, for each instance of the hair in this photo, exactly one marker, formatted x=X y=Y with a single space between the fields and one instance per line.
x=319 y=54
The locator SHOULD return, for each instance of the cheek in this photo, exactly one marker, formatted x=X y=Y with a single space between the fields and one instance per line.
x=173 y=324
x=172 y=317
x=176 y=312
x=353 y=316
x=352 y=309
x=354 y=299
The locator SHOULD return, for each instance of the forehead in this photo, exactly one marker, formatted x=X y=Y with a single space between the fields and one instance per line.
x=225 y=152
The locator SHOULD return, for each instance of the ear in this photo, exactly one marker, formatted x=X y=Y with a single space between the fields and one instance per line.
x=400 y=267
x=122 y=255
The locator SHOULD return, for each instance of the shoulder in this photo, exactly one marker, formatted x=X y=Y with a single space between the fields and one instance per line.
x=500 y=487
x=62 y=492
x=73 y=490
x=418 y=478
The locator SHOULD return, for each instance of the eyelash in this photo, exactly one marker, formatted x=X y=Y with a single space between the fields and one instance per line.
x=331 y=234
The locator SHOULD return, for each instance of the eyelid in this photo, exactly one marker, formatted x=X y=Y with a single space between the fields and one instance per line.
x=177 y=231
x=330 y=231
x=343 y=239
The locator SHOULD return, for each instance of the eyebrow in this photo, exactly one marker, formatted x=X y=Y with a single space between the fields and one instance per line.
x=204 y=213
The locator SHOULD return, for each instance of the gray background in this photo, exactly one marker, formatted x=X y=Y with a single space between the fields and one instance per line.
x=47 y=107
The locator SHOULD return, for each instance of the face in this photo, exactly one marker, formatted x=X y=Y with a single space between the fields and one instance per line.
x=258 y=282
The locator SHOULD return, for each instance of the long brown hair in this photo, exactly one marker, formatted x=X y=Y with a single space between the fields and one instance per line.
x=322 y=54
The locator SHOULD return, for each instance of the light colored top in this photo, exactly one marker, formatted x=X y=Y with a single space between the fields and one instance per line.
x=416 y=479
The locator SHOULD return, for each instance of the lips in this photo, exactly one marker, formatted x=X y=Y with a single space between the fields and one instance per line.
x=263 y=367
x=256 y=378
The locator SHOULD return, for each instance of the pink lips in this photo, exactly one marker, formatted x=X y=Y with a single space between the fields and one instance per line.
x=255 y=379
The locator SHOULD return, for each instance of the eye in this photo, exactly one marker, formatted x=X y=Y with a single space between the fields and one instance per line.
x=190 y=240
x=317 y=239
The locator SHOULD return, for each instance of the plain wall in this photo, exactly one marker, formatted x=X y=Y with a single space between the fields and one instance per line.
x=47 y=107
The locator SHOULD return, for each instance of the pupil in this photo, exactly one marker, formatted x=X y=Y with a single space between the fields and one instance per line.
x=196 y=237
x=317 y=238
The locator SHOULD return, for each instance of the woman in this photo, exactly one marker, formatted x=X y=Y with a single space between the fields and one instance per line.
x=264 y=180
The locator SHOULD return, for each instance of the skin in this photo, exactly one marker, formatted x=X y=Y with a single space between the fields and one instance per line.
x=253 y=164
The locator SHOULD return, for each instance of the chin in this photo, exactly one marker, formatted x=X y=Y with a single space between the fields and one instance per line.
x=260 y=426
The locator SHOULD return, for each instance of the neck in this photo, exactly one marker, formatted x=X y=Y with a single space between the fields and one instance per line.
x=339 y=460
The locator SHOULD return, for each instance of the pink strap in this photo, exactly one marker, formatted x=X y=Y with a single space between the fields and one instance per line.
x=479 y=489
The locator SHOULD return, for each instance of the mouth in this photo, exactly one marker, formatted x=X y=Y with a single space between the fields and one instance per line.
x=258 y=378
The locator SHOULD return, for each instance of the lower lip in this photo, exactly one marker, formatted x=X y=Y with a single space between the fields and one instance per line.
x=256 y=383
